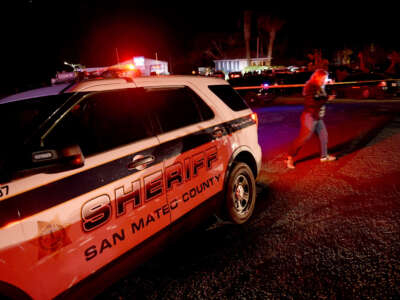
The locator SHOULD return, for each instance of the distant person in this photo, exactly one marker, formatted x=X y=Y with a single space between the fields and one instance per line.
x=311 y=119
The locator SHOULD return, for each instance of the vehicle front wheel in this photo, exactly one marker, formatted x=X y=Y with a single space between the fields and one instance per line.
x=240 y=193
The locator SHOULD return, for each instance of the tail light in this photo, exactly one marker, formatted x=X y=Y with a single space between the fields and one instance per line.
x=382 y=84
x=254 y=117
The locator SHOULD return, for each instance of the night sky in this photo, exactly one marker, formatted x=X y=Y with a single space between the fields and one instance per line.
x=38 y=36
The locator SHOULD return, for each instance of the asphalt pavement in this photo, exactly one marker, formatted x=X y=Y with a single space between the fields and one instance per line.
x=320 y=231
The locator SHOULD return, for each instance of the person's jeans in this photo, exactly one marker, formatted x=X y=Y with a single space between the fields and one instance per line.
x=309 y=126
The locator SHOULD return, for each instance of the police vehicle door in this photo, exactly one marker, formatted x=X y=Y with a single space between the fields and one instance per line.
x=193 y=145
x=79 y=220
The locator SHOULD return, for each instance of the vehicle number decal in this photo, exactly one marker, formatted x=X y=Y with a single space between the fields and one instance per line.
x=3 y=190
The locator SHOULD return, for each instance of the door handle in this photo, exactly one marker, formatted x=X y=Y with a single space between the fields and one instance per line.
x=218 y=132
x=140 y=162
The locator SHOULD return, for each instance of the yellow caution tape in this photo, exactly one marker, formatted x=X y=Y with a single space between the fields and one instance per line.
x=274 y=86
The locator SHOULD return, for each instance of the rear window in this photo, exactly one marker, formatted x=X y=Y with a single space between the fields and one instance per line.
x=178 y=107
x=230 y=97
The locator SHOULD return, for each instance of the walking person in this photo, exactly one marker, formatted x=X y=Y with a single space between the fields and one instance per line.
x=315 y=97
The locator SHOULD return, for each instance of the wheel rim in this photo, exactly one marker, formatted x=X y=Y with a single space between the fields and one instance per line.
x=241 y=195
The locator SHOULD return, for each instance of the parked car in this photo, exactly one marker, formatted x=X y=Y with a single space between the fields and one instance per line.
x=260 y=96
x=218 y=74
x=96 y=177
x=366 y=86
x=235 y=75
x=394 y=84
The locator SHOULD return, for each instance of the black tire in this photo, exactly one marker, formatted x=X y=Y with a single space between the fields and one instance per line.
x=240 y=193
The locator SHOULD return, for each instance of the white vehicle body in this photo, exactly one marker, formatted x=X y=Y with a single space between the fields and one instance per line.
x=59 y=228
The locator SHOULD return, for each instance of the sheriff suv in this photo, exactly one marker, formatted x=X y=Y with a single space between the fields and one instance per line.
x=97 y=175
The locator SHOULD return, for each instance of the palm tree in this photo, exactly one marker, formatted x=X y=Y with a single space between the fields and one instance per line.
x=271 y=25
x=247 y=31
x=260 y=38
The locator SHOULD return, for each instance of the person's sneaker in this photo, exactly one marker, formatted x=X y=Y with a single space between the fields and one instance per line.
x=290 y=163
x=328 y=158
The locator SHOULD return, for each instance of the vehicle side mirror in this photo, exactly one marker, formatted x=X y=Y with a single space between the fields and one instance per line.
x=73 y=156
x=44 y=161
x=50 y=160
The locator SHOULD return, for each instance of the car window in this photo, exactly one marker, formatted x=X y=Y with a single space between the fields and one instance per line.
x=20 y=119
x=229 y=96
x=104 y=120
x=178 y=107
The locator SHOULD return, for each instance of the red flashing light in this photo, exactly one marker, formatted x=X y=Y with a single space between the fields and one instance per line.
x=131 y=67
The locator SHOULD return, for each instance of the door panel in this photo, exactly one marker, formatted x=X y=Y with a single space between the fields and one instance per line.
x=197 y=172
x=75 y=222
x=67 y=242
